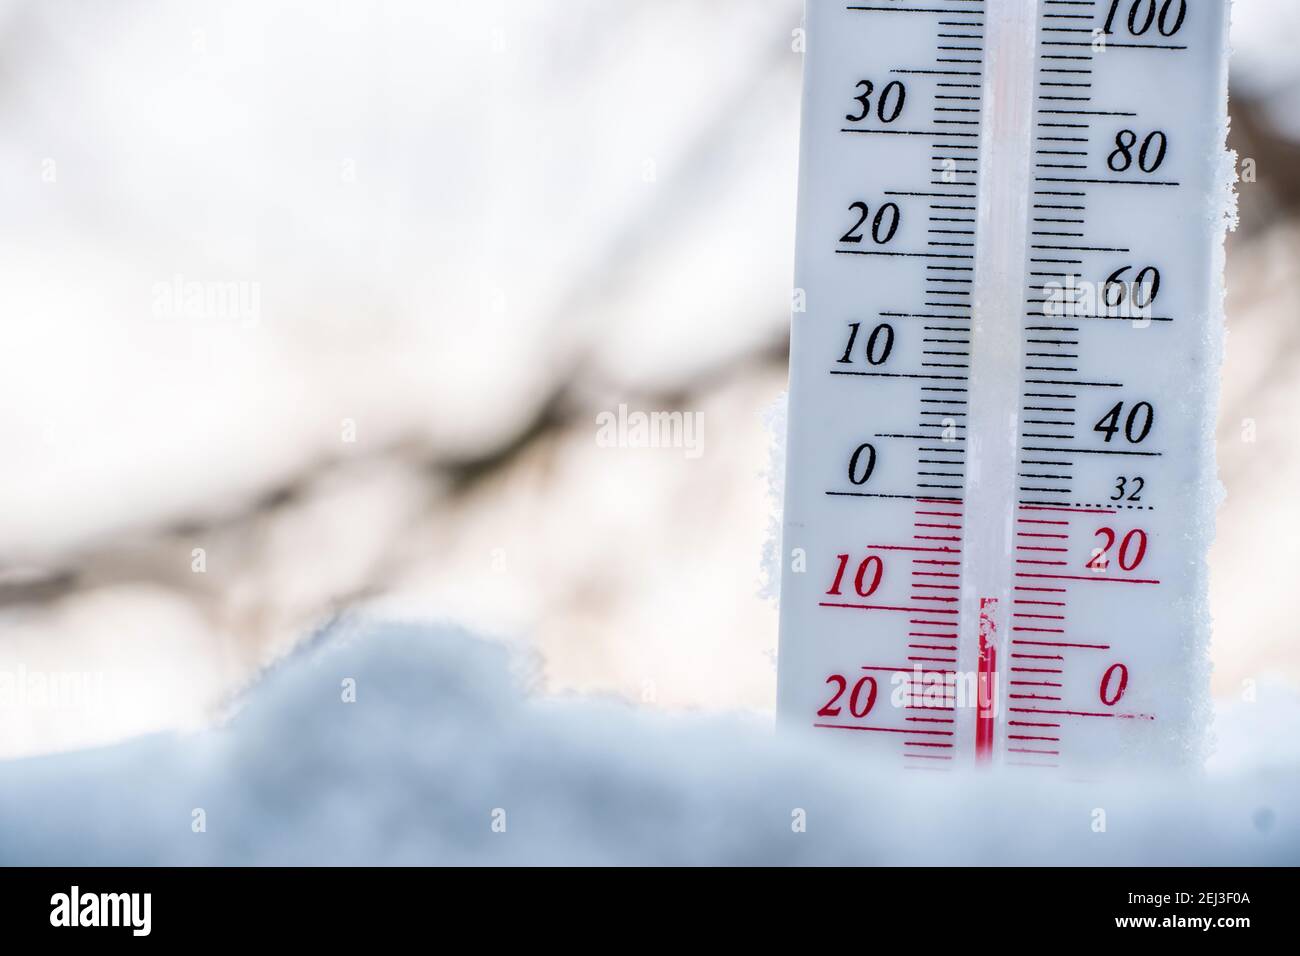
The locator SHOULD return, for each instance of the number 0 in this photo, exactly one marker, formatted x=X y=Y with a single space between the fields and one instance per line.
x=1113 y=684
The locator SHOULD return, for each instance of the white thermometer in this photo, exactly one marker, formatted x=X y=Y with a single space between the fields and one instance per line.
x=1004 y=372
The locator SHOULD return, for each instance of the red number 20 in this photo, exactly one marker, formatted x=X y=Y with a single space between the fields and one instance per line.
x=1131 y=550
x=858 y=707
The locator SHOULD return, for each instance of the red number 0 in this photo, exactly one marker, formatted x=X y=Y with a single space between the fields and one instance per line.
x=1110 y=700
x=862 y=711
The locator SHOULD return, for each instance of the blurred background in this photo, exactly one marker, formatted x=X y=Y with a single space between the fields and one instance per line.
x=313 y=306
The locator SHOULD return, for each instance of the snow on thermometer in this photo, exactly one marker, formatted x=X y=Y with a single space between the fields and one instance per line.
x=1000 y=468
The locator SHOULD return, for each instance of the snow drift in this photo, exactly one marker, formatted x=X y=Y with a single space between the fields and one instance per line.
x=449 y=756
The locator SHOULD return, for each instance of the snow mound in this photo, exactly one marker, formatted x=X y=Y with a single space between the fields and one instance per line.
x=449 y=756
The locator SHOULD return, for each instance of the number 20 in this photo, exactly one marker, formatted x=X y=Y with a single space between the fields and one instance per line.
x=883 y=226
x=858 y=706
x=1131 y=550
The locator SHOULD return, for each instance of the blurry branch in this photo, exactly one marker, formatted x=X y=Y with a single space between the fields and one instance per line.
x=574 y=401
x=737 y=122
x=149 y=554
x=1262 y=255
x=1275 y=198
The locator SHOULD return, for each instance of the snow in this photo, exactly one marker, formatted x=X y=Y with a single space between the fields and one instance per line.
x=775 y=418
x=447 y=729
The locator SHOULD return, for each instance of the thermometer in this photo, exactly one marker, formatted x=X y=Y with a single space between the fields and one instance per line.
x=1004 y=363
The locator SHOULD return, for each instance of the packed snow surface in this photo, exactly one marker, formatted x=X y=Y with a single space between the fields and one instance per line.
x=451 y=755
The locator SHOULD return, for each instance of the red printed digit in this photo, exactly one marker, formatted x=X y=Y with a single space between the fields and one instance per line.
x=839 y=574
x=1134 y=551
x=829 y=709
x=1110 y=681
x=856 y=707
x=1099 y=560
x=870 y=570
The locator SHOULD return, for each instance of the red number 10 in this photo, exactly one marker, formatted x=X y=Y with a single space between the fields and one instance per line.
x=870 y=571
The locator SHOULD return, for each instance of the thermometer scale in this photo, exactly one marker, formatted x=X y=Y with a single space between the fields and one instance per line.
x=1000 y=468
